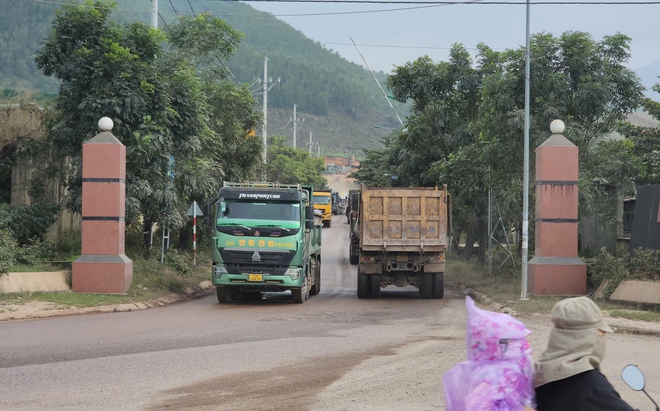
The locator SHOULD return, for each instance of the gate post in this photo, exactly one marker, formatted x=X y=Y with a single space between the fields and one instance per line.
x=556 y=269
x=103 y=268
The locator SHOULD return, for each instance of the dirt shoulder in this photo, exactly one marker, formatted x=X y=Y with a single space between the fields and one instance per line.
x=23 y=309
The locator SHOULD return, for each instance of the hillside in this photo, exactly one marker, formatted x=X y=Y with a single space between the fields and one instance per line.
x=339 y=99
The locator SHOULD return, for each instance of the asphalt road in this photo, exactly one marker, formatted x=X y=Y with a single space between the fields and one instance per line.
x=334 y=352
x=268 y=354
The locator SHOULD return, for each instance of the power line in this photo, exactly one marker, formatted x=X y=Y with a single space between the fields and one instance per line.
x=425 y=3
x=163 y=20
x=191 y=8
x=284 y=101
x=175 y=12
x=449 y=3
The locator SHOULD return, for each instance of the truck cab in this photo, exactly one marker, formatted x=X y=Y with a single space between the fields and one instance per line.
x=323 y=203
x=266 y=239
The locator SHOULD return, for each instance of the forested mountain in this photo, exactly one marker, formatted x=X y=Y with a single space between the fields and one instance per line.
x=314 y=78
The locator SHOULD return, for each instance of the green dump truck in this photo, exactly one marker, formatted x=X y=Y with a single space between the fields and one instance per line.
x=267 y=239
x=399 y=237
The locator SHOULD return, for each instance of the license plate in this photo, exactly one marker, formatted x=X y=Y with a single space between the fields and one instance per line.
x=255 y=277
x=402 y=258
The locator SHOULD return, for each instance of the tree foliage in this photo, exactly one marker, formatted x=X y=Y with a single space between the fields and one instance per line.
x=314 y=77
x=466 y=123
x=185 y=127
x=291 y=166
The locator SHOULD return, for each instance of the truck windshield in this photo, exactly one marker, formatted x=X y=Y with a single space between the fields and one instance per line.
x=262 y=210
x=321 y=199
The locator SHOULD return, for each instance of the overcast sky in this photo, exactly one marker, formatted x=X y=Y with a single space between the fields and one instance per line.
x=409 y=34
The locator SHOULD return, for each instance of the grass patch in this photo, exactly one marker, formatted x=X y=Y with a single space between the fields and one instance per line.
x=503 y=287
x=649 y=316
x=37 y=268
x=150 y=281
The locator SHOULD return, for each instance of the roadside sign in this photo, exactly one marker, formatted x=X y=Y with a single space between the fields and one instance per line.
x=194 y=210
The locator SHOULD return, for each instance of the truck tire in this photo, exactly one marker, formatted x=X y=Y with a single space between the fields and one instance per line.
x=426 y=285
x=224 y=294
x=363 y=283
x=316 y=288
x=374 y=285
x=353 y=259
x=301 y=294
x=298 y=295
x=438 y=285
x=329 y=223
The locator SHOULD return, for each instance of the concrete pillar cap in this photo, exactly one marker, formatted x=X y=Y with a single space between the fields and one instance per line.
x=105 y=124
x=557 y=127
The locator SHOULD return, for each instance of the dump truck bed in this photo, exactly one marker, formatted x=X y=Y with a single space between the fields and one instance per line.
x=403 y=219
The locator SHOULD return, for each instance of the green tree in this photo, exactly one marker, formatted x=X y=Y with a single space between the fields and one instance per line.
x=641 y=148
x=466 y=123
x=164 y=100
x=291 y=166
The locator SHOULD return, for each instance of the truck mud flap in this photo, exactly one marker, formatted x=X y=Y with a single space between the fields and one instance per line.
x=370 y=268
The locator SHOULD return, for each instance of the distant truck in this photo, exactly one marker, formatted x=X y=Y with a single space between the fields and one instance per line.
x=399 y=237
x=266 y=239
x=323 y=203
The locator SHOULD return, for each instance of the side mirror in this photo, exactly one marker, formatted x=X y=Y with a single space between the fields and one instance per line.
x=207 y=220
x=310 y=212
x=633 y=376
x=309 y=224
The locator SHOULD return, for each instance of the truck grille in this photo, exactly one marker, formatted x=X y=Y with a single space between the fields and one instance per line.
x=268 y=260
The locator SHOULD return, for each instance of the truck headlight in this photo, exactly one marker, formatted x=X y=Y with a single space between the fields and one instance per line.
x=218 y=270
x=294 y=273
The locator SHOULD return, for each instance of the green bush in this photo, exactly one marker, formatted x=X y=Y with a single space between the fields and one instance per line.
x=180 y=261
x=170 y=282
x=69 y=244
x=641 y=265
x=35 y=251
x=29 y=222
x=7 y=250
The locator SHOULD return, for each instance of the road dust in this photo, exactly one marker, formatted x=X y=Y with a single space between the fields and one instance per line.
x=341 y=183
x=287 y=388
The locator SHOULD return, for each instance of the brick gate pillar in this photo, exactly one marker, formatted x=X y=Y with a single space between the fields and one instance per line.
x=103 y=268
x=556 y=269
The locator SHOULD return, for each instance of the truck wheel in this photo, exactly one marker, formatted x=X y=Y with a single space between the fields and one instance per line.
x=374 y=284
x=325 y=223
x=426 y=285
x=438 y=285
x=329 y=223
x=354 y=259
x=363 y=286
x=298 y=295
x=224 y=294
x=316 y=288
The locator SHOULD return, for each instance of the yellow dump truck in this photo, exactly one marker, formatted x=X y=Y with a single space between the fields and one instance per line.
x=399 y=238
x=323 y=203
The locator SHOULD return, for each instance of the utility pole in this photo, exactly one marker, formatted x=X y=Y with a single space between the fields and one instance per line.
x=525 y=222
x=154 y=14
x=264 y=129
x=310 y=143
x=265 y=126
x=318 y=150
x=295 y=125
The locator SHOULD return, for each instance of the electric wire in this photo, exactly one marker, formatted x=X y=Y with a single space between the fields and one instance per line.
x=175 y=12
x=423 y=4
x=163 y=20
x=191 y=8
